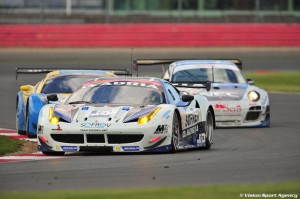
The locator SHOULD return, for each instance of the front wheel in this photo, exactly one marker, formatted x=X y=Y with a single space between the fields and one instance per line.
x=209 y=129
x=175 y=133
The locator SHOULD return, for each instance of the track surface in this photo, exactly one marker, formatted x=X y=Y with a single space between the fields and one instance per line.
x=238 y=155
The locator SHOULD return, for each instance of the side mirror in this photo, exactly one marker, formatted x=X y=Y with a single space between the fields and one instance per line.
x=52 y=97
x=250 y=81
x=208 y=86
x=26 y=88
x=187 y=98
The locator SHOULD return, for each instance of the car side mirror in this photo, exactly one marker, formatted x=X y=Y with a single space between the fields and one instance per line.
x=26 y=88
x=250 y=81
x=187 y=98
x=52 y=97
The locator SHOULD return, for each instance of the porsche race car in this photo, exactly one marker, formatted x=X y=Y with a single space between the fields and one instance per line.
x=126 y=115
x=236 y=102
x=30 y=99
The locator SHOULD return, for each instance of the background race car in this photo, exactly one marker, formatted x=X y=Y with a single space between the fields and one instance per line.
x=30 y=99
x=126 y=115
x=236 y=102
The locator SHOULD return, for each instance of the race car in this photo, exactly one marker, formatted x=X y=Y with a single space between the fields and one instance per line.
x=30 y=99
x=236 y=102
x=126 y=115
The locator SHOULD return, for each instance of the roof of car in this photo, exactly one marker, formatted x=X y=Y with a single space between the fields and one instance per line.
x=186 y=62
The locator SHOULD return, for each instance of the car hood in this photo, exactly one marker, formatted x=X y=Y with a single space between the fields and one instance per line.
x=219 y=92
x=84 y=113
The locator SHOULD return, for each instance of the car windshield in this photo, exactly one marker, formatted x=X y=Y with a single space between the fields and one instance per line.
x=118 y=95
x=219 y=75
x=66 y=83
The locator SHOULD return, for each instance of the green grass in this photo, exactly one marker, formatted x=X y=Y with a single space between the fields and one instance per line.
x=9 y=145
x=204 y=192
x=277 y=81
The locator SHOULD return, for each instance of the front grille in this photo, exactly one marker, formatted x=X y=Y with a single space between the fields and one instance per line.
x=68 y=138
x=252 y=115
x=91 y=138
x=123 y=139
x=255 y=108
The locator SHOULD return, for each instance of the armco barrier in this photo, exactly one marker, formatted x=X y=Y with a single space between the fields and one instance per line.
x=149 y=35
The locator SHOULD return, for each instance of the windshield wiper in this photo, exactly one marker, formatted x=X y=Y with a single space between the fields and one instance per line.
x=80 y=102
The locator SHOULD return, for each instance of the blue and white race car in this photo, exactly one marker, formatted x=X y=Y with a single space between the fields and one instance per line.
x=236 y=102
x=126 y=115
x=30 y=99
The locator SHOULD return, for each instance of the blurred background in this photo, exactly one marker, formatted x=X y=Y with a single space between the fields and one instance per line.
x=149 y=11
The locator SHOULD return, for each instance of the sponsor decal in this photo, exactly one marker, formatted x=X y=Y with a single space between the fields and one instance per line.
x=140 y=84
x=130 y=148
x=117 y=148
x=57 y=147
x=201 y=139
x=161 y=129
x=191 y=119
x=125 y=108
x=191 y=130
x=226 y=109
x=85 y=108
x=94 y=125
x=69 y=148
x=100 y=113
x=166 y=115
x=57 y=128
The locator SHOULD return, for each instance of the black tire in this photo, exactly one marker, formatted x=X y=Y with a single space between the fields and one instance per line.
x=209 y=129
x=20 y=132
x=175 y=133
x=54 y=153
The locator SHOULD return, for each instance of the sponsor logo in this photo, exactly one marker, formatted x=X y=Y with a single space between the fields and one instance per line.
x=166 y=115
x=161 y=129
x=191 y=130
x=131 y=84
x=57 y=147
x=69 y=148
x=85 y=108
x=125 y=108
x=57 y=129
x=201 y=138
x=130 y=148
x=191 y=119
x=100 y=114
x=117 y=148
x=225 y=109
x=94 y=125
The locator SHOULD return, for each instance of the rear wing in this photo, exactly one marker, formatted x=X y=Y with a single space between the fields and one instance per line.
x=166 y=62
x=119 y=72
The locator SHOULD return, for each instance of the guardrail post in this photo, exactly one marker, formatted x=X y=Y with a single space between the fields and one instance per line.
x=68 y=7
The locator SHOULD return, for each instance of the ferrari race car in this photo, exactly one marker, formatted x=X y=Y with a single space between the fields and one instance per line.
x=31 y=99
x=236 y=102
x=126 y=115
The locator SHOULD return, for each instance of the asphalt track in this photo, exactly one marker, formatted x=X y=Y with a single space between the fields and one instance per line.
x=238 y=156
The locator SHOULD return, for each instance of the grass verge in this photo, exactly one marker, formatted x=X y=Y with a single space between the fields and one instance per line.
x=206 y=192
x=9 y=145
x=277 y=81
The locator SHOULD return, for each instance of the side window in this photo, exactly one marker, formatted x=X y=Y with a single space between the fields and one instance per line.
x=172 y=94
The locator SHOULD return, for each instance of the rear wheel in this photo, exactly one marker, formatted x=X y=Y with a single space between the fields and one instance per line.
x=209 y=129
x=175 y=133
x=54 y=153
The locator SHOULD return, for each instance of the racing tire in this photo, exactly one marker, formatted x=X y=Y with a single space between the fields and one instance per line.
x=54 y=153
x=20 y=132
x=209 y=129
x=175 y=133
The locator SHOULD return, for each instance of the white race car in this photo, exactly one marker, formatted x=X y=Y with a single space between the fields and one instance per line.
x=126 y=115
x=236 y=102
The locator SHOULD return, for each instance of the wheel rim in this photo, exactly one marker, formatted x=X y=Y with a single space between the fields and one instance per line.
x=175 y=132
x=209 y=127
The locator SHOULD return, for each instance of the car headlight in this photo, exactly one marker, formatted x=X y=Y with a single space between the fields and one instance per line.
x=53 y=119
x=253 y=96
x=146 y=118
